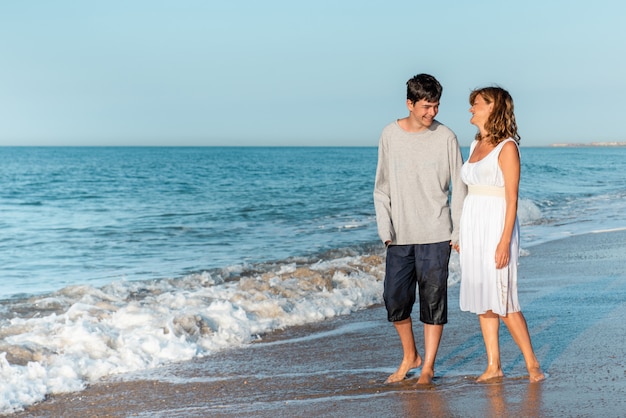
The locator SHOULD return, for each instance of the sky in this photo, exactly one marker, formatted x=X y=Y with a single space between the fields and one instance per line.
x=301 y=73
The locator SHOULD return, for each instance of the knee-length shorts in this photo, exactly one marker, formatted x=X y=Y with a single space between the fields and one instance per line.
x=423 y=265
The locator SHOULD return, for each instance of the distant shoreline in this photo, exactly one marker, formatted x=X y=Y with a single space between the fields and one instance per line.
x=592 y=144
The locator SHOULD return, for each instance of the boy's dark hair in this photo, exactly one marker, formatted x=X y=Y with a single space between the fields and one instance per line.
x=423 y=86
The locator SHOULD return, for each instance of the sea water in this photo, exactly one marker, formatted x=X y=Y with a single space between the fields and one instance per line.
x=121 y=259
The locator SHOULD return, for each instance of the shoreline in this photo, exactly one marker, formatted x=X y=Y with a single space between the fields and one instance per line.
x=573 y=295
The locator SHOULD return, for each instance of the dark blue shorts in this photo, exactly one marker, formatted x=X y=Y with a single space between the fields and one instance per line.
x=425 y=265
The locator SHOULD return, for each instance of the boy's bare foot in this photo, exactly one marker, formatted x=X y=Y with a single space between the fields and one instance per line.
x=426 y=378
x=404 y=368
x=490 y=374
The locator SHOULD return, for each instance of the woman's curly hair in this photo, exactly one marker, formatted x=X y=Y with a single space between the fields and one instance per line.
x=501 y=123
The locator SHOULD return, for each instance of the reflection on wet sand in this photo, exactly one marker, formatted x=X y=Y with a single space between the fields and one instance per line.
x=450 y=396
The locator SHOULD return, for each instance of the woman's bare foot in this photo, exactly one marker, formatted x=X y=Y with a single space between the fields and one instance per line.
x=535 y=374
x=490 y=374
x=404 y=368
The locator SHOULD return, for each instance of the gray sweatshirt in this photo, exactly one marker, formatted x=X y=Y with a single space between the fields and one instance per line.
x=413 y=178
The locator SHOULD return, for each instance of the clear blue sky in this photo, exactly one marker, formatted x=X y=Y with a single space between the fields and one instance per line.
x=323 y=72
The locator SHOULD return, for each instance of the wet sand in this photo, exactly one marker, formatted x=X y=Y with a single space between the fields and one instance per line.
x=573 y=294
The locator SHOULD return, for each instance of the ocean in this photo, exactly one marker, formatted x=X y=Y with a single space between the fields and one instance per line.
x=123 y=259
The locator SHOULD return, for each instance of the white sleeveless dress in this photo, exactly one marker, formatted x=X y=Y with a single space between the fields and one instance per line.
x=483 y=287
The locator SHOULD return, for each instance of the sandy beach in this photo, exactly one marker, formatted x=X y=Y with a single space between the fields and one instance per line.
x=573 y=294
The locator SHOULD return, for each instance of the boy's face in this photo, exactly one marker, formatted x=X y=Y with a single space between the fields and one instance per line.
x=423 y=112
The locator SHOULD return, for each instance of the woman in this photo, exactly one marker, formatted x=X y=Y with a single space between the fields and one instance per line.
x=489 y=230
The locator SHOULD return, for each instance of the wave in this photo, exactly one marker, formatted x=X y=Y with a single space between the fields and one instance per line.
x=528 y=212
x=63 y=341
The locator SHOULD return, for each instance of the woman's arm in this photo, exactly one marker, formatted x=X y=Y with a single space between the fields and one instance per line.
x=510 y=165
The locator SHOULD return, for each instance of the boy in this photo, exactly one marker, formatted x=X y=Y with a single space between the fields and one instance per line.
x=418 y=158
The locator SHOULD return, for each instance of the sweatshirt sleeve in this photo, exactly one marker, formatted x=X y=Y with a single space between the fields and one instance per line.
x=382 y=195
x=459 y=189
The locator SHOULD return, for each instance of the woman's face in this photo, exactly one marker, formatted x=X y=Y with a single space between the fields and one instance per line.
x=480 y=111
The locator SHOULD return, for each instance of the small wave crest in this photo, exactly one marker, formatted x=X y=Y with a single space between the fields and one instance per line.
x=528 y=212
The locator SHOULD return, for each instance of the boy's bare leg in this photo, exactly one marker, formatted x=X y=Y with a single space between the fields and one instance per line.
x=411 y=358
x=432 y=338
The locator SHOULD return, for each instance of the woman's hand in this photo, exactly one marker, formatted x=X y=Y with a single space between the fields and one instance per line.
x=503 y=254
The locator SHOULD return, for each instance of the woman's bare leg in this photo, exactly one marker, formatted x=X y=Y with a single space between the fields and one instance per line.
x=516 y=323
x=490 y=326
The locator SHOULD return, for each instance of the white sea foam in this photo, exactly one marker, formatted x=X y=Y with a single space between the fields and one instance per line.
x=80 y=334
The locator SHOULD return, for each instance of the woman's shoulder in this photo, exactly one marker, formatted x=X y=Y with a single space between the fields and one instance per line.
x=509 y=143
x=508 y=148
